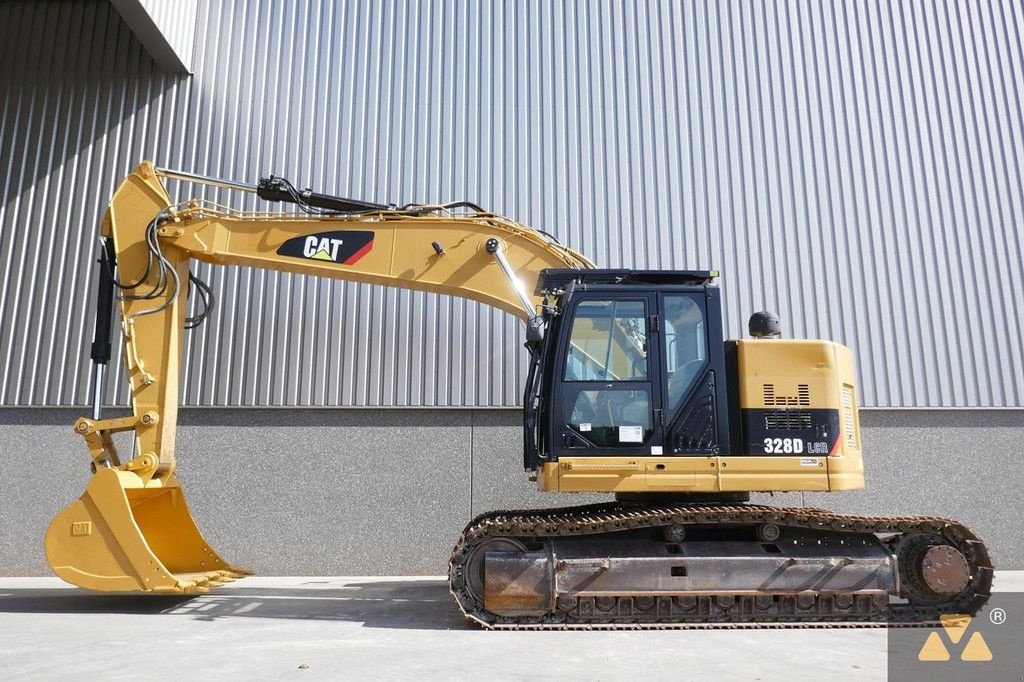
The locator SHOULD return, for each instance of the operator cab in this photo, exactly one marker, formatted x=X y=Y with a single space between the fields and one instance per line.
x=633 y=364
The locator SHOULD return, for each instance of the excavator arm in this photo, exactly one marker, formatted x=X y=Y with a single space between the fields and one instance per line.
x=131 y=530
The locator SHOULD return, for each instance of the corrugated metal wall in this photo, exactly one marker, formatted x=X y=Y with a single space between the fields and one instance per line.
x=177 y=21
x=855 y=166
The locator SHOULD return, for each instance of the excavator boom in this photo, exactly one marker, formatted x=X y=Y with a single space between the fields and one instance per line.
x=132 y=530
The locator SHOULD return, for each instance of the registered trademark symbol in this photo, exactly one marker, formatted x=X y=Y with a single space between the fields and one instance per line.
x=997 y=616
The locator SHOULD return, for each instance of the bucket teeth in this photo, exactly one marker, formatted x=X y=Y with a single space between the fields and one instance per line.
x=197 y=583
x=233 y=574
x=204 y=580
x=182 y=588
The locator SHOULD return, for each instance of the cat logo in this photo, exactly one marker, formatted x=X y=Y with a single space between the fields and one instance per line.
x=955 y=626
x=322 y=248
x=343 y=246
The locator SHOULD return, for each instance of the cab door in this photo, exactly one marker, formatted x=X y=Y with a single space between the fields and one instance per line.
x=693 y=371
x=607 y=397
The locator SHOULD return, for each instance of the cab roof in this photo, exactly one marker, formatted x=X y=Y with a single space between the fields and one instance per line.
x=552 y=280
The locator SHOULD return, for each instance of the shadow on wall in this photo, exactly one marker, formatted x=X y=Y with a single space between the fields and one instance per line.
x=81 y=101
x=415 y=604
x=92 y=83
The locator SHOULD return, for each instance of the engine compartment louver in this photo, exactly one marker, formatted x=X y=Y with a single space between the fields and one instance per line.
x=773 y=399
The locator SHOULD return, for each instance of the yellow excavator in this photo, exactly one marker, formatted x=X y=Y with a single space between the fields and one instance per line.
x=631 y=390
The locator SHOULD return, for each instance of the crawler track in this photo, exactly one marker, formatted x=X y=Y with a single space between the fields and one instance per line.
x=916 y=606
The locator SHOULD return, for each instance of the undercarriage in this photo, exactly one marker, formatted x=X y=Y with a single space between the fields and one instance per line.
x=624 y=565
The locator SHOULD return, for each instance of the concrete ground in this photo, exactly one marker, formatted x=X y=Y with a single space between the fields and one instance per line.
x=383 y=628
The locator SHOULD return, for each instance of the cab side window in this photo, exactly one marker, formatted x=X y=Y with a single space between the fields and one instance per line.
x=686 y=348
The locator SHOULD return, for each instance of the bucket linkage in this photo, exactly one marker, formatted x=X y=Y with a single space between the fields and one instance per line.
x=130 y=534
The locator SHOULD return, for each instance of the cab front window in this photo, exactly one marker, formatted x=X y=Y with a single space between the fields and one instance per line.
x=608 y=395
x=608 y=342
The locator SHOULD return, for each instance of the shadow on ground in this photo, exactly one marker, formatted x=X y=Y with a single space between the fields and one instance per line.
x=419 y=604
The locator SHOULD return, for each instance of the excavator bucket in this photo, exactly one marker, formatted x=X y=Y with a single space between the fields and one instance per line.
x=124 y=535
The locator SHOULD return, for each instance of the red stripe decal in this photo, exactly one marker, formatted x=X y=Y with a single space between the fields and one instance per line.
x=359 y=254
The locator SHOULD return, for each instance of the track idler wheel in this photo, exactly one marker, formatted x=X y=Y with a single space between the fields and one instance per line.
x=474 y=568
x=931 y=570
x=945 y=569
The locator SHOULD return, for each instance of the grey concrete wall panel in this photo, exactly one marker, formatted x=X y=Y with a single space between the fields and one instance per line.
x=166 y=29
x=498 y=479
x=360 y=492
x=856 y=167
x=296 y=492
